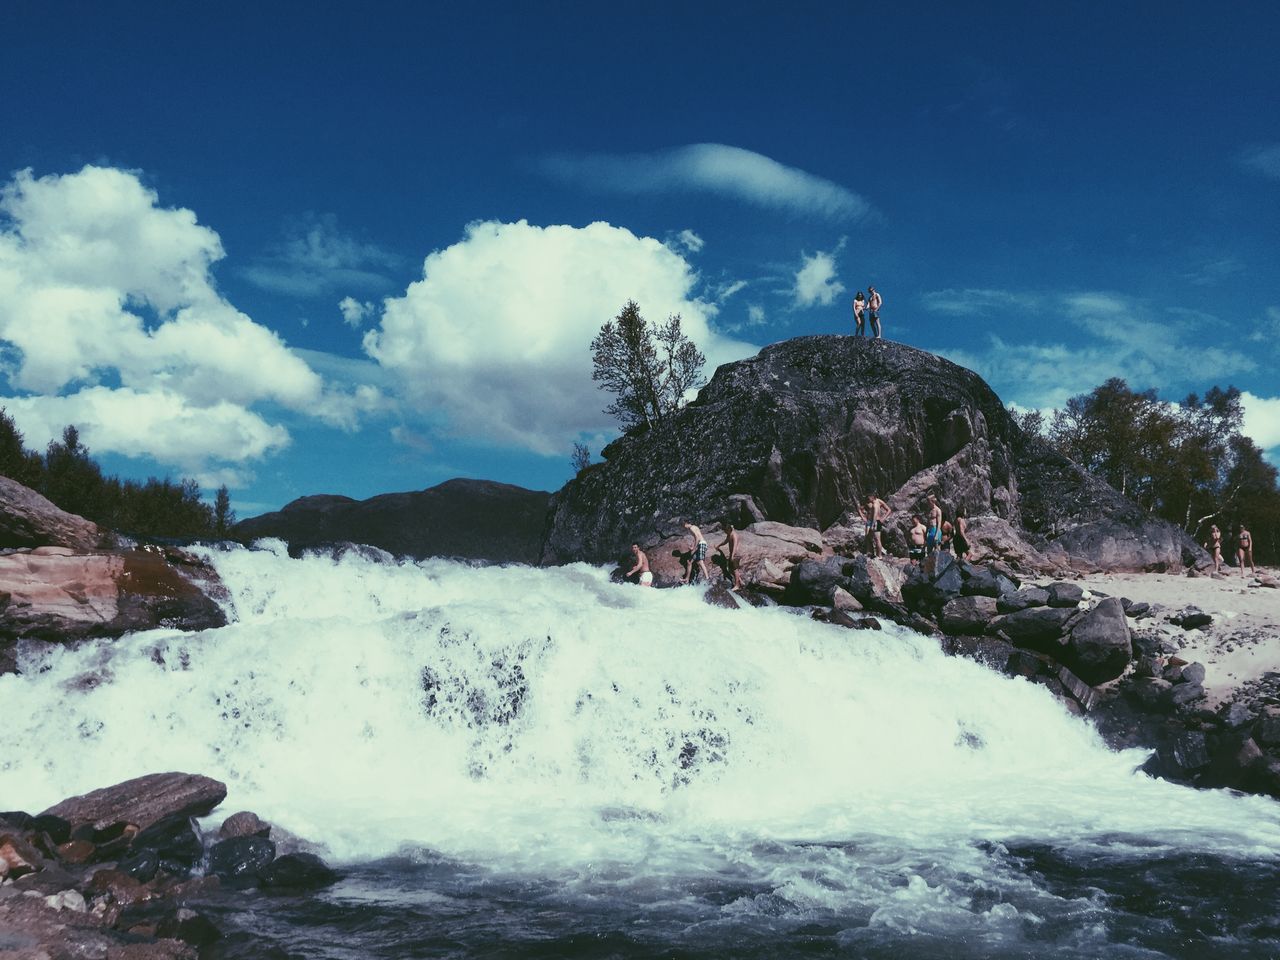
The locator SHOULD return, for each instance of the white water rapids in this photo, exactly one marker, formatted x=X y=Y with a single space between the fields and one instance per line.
x=552 y=723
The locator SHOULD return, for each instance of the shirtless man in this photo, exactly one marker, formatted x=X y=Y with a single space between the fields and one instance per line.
x=699 y=553
x=1244 y=552
x=875 y=513
x=948 y=535
x=1214 y=546
x=933 y=536
x=859 y=304
x=915 y=551
x=641 y=567
x=730 y=550
x=873 y=307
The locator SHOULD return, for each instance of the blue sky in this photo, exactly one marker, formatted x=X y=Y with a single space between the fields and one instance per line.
x=300 y=250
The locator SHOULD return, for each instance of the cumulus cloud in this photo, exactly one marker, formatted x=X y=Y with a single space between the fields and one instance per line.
x=315 y=258
x=816 y=282
x=1262 y=420
x=714 y=168
x=354 y=311
x=1263 y=159
x=109 y=319
x=495 y=337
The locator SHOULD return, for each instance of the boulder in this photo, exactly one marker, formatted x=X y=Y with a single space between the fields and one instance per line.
x=1040 y=628
x=55 y=593
x=244 y=824
x=143 y=801
x=1023 y=599
x=27 y=519
x=1191 y=618
x=979 y=582
x=298 y=871
x=241 y=858
x=967 y=615
x=930 y=585
x=766 y=552
x=1099 y=647
x=1065 y=594
x=995 y=538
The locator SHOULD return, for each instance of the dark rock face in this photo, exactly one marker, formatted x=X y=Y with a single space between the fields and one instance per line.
x=807 y=428
x=241 y=858
x=470 y=519
x=298 y=871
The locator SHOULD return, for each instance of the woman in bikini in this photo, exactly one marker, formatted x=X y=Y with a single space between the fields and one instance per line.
x=1245 y=551
x=1215 y=547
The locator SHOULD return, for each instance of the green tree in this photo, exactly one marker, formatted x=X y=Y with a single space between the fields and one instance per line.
x=223 y=515
x=16 y=461
x=647 y=367
x=72 y=479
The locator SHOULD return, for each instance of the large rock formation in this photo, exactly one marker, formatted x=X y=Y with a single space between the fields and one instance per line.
x=801 y=432
x=470 y=519
x=28 y=519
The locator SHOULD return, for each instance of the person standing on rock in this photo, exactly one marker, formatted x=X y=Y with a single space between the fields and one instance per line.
x=641 y=567
x=874 y=303
x=859 y=304
x=699 y=553
x=933 y=536
x=1244 y=552
x=875 y=513
x=915 y=550
x=1214 y=546
x=729 y=548
x=961 y=540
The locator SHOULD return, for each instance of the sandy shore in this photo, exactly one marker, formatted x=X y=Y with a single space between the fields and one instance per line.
x=1240 y=646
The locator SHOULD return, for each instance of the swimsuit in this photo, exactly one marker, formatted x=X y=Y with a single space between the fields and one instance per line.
x=700 y=551
x=646 y=578
x=931 y=537
x=916 y=553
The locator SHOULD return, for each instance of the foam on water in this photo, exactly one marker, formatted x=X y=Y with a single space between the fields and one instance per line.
x=553 y=722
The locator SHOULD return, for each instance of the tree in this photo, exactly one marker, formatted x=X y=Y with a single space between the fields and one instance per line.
x=581 y=458
x=72 y=479
x=16 y=462
x=223 y=515
x=649 y=368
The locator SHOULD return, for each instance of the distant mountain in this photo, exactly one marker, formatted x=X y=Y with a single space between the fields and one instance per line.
x=470 y=519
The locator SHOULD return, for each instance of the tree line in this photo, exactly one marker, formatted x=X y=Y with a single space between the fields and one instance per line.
x=73 y=480
x=1185 y=462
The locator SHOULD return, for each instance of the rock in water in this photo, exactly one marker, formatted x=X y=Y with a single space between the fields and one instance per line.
x=241 y=858
x=810 y=426
x=143 y=801
x=298 y=871
x=28 y=519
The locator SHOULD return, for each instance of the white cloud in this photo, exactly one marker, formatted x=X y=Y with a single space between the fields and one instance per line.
x=755 y=314
x=1261 y=419
x=972 y=302
x=1120 y=341
x=715 y=168
x=689 y=240
x=108 y=311
x=727 y=290
x=316 y=258
x=816 y=281
x=496 y=335
x=354 y=311
x=1263 y=159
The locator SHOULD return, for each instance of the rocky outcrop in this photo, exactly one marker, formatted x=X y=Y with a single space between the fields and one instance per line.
x=800 y=433
x=142 y=801
x=467 y=519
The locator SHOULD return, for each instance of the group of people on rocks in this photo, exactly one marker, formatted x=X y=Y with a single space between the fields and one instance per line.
x=928 y=536
x=728 y=558
x=870 y=307
x=1244 y=549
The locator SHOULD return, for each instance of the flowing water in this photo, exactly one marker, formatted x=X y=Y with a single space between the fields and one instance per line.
x=515 y=762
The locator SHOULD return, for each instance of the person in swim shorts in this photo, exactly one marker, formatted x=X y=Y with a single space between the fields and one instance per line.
x=699 y=554
x=874 y=303
x=915 y=550
x=1244 y=552
x=875 y=513
x=641 y=567
x=933 y=533
x=729 y=549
